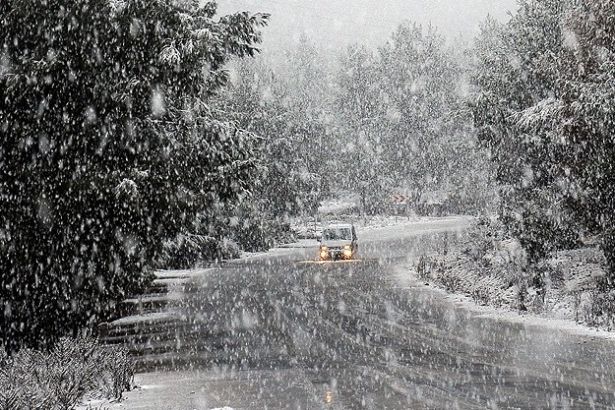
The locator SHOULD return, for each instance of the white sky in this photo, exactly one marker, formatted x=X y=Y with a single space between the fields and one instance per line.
x=335 y=23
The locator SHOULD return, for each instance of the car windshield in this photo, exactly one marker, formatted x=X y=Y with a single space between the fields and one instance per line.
x=336 y=234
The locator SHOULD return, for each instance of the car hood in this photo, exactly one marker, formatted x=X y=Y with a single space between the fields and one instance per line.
x=334 y=244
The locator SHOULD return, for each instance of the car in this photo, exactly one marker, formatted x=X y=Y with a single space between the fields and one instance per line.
x=338 y=241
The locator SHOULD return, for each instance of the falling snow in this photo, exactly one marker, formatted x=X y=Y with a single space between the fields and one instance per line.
x=224 y=209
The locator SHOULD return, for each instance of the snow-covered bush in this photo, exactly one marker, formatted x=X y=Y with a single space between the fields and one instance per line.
x=428 y=267
x=602 y=309
x=60 y=378
x=306 y=229
x=485 y=264
x=490 y=266
x=574 y=281
x=228 y=249
x=187 y=250
x=255 y=234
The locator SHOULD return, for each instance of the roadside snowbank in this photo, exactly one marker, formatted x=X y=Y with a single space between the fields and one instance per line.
x=504 y=313
x=495 y=273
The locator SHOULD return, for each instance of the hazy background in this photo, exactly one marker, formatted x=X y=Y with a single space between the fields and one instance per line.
x=335 y=23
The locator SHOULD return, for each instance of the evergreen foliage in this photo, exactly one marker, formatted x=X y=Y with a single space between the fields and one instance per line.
x=107 y=147
x=545 y=111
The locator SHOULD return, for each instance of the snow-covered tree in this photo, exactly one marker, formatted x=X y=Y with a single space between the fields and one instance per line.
x=107 y=147
x=518 y=98
x=420 y=80
x=403 y=110
x=360 y=129
x=587 y=117
x=267 y=105
x=545 y=110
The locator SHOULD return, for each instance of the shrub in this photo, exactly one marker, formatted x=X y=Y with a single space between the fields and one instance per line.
x=255 y=235
x=427 y=267
x=602 y=310
x=228 y=249
x=60 y=378
x=187 y=250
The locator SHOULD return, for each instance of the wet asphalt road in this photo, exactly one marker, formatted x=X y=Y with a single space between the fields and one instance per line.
x=290 y=332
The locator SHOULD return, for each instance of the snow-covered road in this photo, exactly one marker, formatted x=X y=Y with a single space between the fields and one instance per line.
x=286 y=331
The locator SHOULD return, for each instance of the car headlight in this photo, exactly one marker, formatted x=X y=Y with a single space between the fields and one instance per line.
x=347 y=247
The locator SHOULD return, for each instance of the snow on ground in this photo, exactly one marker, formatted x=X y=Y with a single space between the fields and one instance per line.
x=344 y=203
x=392 y=228
x=153 y=317
x=300 y=244
x=337 y=206
x=344 y=208
x=384 y=221
x=217 y=388
x=407 y=276
x=311 y=229
x=373 y=228
x=281 y=250
x=174 y=282
x=180 y=274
